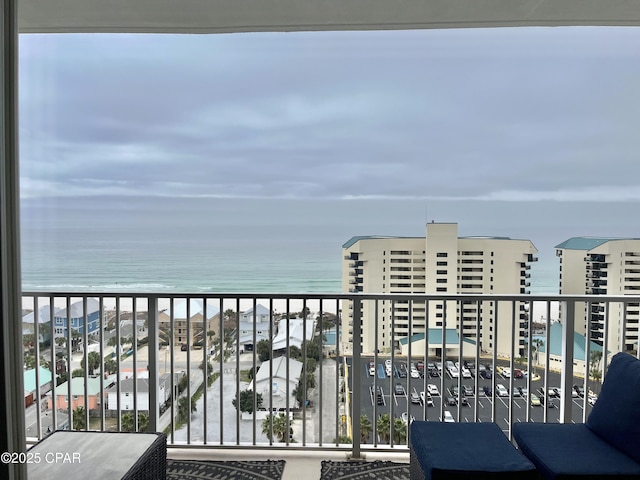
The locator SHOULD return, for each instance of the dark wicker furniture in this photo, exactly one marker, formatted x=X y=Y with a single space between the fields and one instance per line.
x=128 y=456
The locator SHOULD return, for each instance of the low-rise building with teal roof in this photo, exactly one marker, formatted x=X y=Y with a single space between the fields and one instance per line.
x=555 y=350
x=452 y=344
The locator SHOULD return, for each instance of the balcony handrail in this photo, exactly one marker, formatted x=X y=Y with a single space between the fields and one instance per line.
x=353 y=361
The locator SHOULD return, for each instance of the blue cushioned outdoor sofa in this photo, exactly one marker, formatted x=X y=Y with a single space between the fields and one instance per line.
x=606 y=447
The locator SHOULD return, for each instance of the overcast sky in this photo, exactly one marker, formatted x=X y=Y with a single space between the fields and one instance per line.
x=500 y=114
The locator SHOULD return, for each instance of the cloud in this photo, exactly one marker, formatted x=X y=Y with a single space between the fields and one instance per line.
x=506 y=114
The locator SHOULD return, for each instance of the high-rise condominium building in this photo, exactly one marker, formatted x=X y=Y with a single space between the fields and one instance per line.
x=603 y=266
x=440 y=262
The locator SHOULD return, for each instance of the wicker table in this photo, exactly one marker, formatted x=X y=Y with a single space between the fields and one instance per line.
x=66 y=454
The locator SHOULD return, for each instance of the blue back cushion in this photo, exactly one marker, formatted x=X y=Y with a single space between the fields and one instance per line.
x=616 y=415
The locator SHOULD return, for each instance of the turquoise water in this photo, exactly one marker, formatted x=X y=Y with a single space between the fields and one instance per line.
x=242 y=246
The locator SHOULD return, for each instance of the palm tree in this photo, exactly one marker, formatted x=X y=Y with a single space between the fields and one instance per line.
x=399 y=431
x=128 y=424
x=384 y=428
x=594 y=363
x=279 y=427
x=365 y=428
x=536 y=345
x=183 y=409
x=78 y=419
x=93 y=361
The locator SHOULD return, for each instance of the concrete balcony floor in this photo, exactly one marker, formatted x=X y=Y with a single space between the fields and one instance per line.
x=299 y=464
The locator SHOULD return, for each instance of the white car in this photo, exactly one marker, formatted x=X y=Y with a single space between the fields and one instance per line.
x=506 y=373
x=432 y=389
x=453 y=371
x=466 y=373
x=406 y=418
x=448 y=417
x=501 y=390
x=415 y=373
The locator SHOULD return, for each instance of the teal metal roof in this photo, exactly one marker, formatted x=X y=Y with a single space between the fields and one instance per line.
x=353 y=240
x=555 y=341
x=30 y=378
x=77 y=386
x=583 y=243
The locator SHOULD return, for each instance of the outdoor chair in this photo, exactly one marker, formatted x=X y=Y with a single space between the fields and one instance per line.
x=606 y=447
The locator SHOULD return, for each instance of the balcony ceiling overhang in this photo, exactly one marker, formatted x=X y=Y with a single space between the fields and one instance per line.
x=220 y=16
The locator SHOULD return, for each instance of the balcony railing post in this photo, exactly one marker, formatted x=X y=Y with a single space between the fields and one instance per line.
x=356 y=366
x=566 y=376
x=153 y=344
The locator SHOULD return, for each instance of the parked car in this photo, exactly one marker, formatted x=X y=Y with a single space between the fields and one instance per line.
x=579 y=389
x=415 y=373
x=535 y=401
x=426 y=398
x=486 y=374
x=406 y=418
x=372 y=369
x=399 y=389
x=501 y=391
x=451 y=400
x=415 y=398
x=432 y=389
x=402 y=371
x=487 y=391
x=448 y=417
x=467 y=390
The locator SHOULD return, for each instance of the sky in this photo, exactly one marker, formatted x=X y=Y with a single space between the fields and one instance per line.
x=483 y=115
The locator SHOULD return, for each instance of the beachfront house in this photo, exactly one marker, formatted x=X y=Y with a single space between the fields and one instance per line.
x=254 y=326
x=194 y=330
x=44 y=325
x=77 y=394
x=296 y=333
x=76 y=318
x=30 y=383
x=277 y=383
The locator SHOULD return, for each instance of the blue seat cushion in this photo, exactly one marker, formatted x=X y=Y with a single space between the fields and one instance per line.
x=467 y=450
x=568 y=451
x=616 y=415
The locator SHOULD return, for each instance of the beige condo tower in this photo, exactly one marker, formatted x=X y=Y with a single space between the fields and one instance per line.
x=603 y=266
x=441 y=262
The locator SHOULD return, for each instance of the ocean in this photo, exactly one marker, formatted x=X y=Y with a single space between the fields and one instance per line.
x=140 y=244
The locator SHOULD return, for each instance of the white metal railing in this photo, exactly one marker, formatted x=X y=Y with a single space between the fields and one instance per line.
x=317 y=398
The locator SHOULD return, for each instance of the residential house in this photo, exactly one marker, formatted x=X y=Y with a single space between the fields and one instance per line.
x=254 y=325
x=294 y=335
x=142 y=393
x=44 y=325
x=30 y=382
x=94 y=397
x=76 y=318
x=195 y=330
x=277 y=384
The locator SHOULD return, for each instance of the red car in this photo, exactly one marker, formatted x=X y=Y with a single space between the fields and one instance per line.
x=517 y=373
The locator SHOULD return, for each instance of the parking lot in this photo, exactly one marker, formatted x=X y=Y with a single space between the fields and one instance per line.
x=400 y=392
